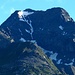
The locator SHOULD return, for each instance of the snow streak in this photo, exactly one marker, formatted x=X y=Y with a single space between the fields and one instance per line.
x=22 y=17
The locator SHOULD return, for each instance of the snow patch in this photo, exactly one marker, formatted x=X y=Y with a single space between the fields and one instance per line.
x=33 y=41
x=54 y=56
x=29 y=23
x=59 y=61
x=61 y=27
x=24 y=50
x=68 y=19
x=73 y=39
x=12 y=40
x=21 y=14
x=20 y=31
x=45 y=64
x=44 y=57
x=27 y=31
x=22 y=39
x=64 y=33
x=73 y=60
x=70 y=63
x=22 y=17
x=31 y=27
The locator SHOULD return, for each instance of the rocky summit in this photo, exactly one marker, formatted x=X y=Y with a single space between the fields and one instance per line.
x=53 y=30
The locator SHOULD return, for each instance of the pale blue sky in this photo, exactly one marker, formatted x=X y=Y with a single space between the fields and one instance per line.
x=9 y=6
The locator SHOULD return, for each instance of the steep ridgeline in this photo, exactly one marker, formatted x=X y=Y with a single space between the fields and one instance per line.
x=53 y=30
x=26 y=58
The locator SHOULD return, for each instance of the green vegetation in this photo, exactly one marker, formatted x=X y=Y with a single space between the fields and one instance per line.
x=26 y=58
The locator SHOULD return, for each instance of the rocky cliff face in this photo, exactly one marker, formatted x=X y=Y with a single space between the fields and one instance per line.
x=53 y=30
x=26 y=58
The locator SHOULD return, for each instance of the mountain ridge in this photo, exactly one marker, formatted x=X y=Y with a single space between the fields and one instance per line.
x=53 y=30
x=26 y=58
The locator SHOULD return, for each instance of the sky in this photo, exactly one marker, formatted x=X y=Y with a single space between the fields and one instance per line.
x=7 y=7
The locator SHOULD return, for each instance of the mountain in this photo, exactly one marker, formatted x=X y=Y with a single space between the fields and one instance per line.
x=26 y=58
x=53 y=30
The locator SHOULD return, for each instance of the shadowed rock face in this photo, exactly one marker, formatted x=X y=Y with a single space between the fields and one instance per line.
x=25 y=58
x=28 y=24
x=53 y=30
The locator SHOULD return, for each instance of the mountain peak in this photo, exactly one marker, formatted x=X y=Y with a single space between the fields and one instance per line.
x=53 y=30
x=29 y=10
x=66 y=15
x=23 y=14
x=26 y=23
x=60 y=11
